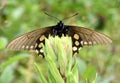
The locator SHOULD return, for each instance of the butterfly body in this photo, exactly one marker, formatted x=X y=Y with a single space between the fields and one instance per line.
x=60 y=29
x=57 y=30
x=80 y=37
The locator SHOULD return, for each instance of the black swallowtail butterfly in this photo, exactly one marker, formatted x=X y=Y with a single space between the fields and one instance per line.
x=80 y=37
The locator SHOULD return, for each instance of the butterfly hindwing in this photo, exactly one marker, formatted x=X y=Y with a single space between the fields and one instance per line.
x=41 y=41
x=76 y=40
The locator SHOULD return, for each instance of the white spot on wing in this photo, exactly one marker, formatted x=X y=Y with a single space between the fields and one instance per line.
x=27 y=47
x=74 y=48
x=81 y=42
x=85 y=43
x=41 y=50
x=76 y=36
x=75 y=53
x=42 y=38
x=80 y=48
x=36 y=51
x=90 y=42
x=40 y=45
x=76 y=43
x=31 y=47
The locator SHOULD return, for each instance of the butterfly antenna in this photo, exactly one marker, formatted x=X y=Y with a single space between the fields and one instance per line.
x=71 y=16
x=51 y=16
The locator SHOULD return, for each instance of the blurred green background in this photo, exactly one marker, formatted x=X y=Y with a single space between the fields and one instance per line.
x=20 y=16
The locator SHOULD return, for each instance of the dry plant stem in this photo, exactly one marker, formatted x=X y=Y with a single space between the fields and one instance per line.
x=29 y=69
x=62 y=75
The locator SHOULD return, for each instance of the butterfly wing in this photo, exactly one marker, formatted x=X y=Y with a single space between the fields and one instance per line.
x=90 y=37
x=27 y=41
x=80 y=37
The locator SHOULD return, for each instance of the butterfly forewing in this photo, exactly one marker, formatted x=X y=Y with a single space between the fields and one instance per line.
x=28 y=40
x=91 y=37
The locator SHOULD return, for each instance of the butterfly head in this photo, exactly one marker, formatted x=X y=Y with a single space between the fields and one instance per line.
x=60 y=25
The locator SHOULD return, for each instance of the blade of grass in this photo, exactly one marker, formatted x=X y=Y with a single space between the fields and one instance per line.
x=42 y=78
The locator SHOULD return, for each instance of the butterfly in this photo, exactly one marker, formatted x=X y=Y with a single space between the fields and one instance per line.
x=80 y=37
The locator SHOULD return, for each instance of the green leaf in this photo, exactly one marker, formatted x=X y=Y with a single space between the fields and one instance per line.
x=54 y=71
x=51 y=78
x=42 y=78
x=70 y=78
x=75 y=72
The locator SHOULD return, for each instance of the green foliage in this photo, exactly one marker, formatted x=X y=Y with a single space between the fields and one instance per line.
x=3 y=42
x=62 y=67
x=7 y=68
x=7 y=75
x=12 y=60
